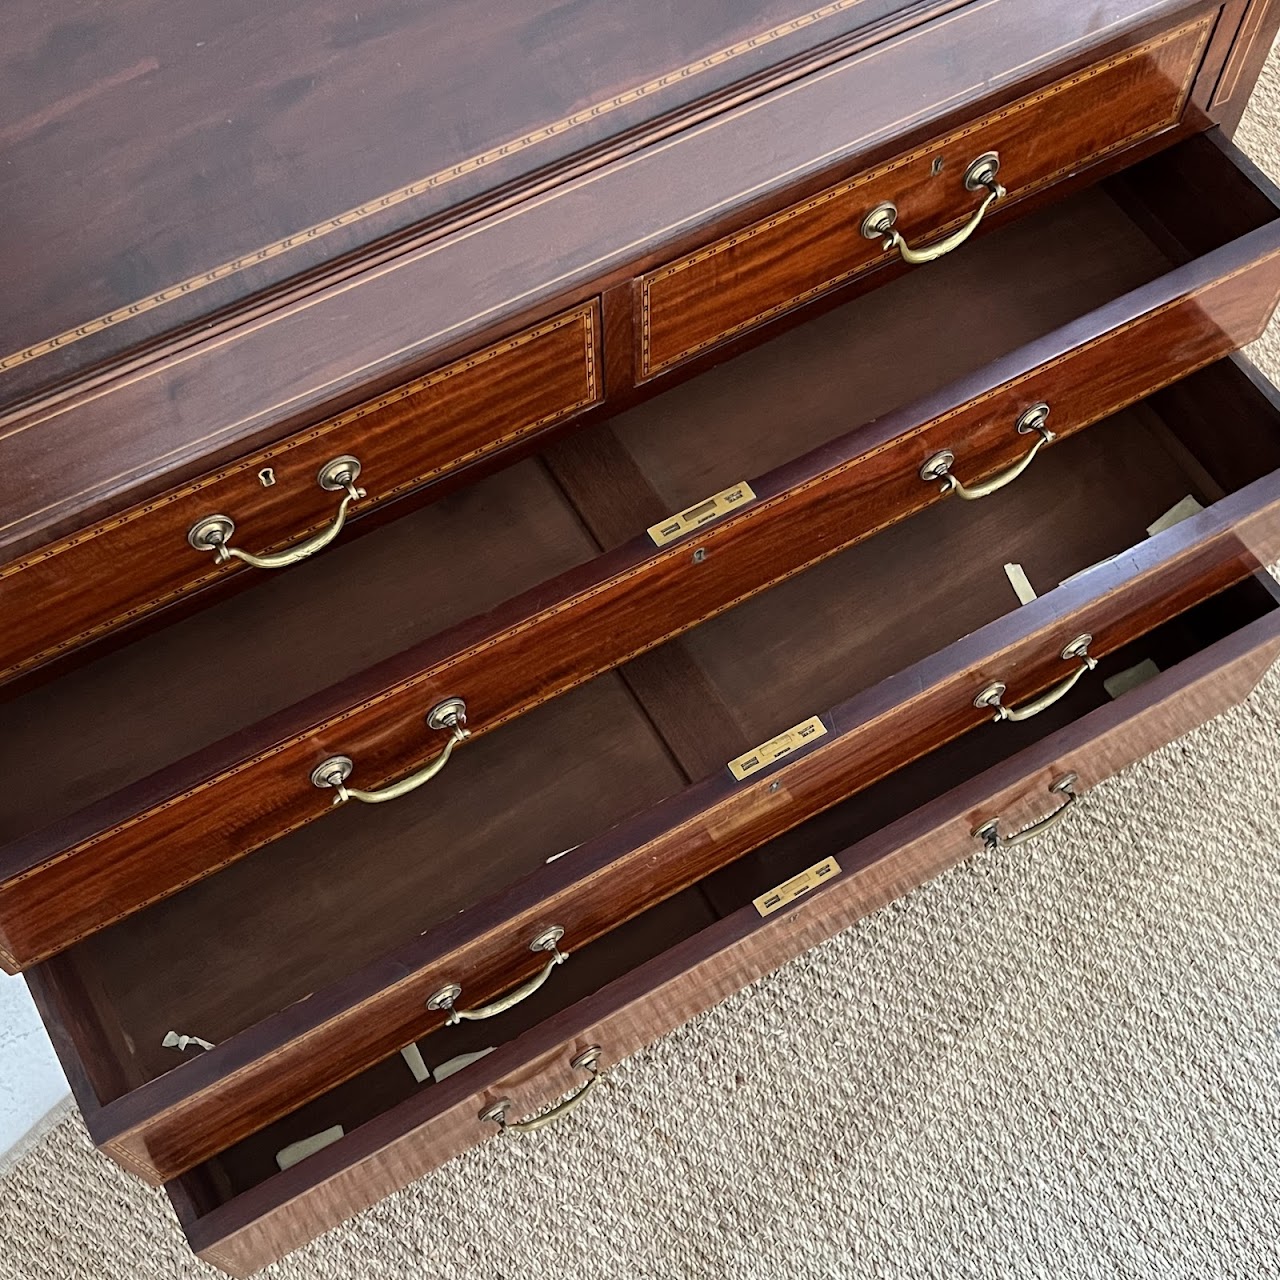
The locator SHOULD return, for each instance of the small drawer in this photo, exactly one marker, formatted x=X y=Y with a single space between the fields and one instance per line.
x=1005 y=783
x=313 y=959
x=212 y=739
x=291 y=494
x=930 y=197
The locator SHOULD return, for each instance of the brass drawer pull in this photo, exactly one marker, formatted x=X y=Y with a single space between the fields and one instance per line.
x=989 y=831
x=586 y=1061
x=212 y=533
x=939 y=466
x=547 y=940
x=451 y=714
x=1076 y=651
x=980 y=175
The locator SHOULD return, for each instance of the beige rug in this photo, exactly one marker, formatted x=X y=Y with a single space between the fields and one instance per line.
x=1060 y=1061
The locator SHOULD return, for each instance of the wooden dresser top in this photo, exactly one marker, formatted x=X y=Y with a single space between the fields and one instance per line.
x=163 y=160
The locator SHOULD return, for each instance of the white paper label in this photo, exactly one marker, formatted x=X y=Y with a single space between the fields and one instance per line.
x=1020 y=583
x=288 y=1156
x=1123 y=681
x=1176 y=514
x=174 y=1041
x=446 y=1069
x=413 y=1060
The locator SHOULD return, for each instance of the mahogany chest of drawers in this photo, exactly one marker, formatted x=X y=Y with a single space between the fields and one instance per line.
x=516 y=524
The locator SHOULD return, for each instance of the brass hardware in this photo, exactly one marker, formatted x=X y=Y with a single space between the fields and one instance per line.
x=1076 y=651
x=444 y=998
x=450 y=714
x=702 y=513
x=213 y=533
x=989 y=831
x=547 y=940
x=789 y=890
x=939 y=466
x=588 y=1061
x=981 y=174
x=784 y=744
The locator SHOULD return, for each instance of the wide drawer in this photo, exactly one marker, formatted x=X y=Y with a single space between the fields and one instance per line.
x=240 y=1213
x=761 y=271
x=279 y=498
x=519 y=588
x=316 y=957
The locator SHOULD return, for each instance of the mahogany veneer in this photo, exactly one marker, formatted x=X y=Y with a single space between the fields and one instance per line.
x=648 y=433
x=111 y=573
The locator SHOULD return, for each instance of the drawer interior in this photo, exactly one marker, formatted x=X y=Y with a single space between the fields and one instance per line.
x=732 y=889
x=218 y=674
x=321 y=903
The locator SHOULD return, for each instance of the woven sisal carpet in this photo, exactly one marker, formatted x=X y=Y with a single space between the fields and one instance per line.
x=1058 y=1061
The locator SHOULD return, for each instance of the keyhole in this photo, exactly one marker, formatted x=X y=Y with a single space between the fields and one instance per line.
x=937 y=166
x=266 y=477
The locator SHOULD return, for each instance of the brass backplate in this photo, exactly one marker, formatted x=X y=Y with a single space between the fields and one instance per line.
x=703 y=513
x=783 y=745
x=789 y=890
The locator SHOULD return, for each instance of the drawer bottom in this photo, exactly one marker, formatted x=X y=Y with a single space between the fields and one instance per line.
x=639 y=981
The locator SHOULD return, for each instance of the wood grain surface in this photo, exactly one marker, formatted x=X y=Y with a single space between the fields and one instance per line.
x=620 y=209
x=761 y=270
x=114 y=573
x=295 y=138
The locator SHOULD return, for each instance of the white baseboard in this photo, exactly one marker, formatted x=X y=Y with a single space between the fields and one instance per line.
x=32 y=1086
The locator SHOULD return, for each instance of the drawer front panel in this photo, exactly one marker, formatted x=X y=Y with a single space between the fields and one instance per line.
x=783 y=261
x=126 y=567
x=174 y=1122
x=402 y=1145
x=626 y=603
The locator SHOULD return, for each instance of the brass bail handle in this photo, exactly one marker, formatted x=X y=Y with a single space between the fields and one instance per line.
x=979 y=176
x=588 y=1060
x=547 y=940
x=1076 y=651
x=213 y=533
x=989 y=831
x=938 y=467
x=450 y=714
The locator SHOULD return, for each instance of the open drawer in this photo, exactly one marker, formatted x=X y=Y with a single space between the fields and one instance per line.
x=240 y=1211
x=324 y=953
x=235 y=727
